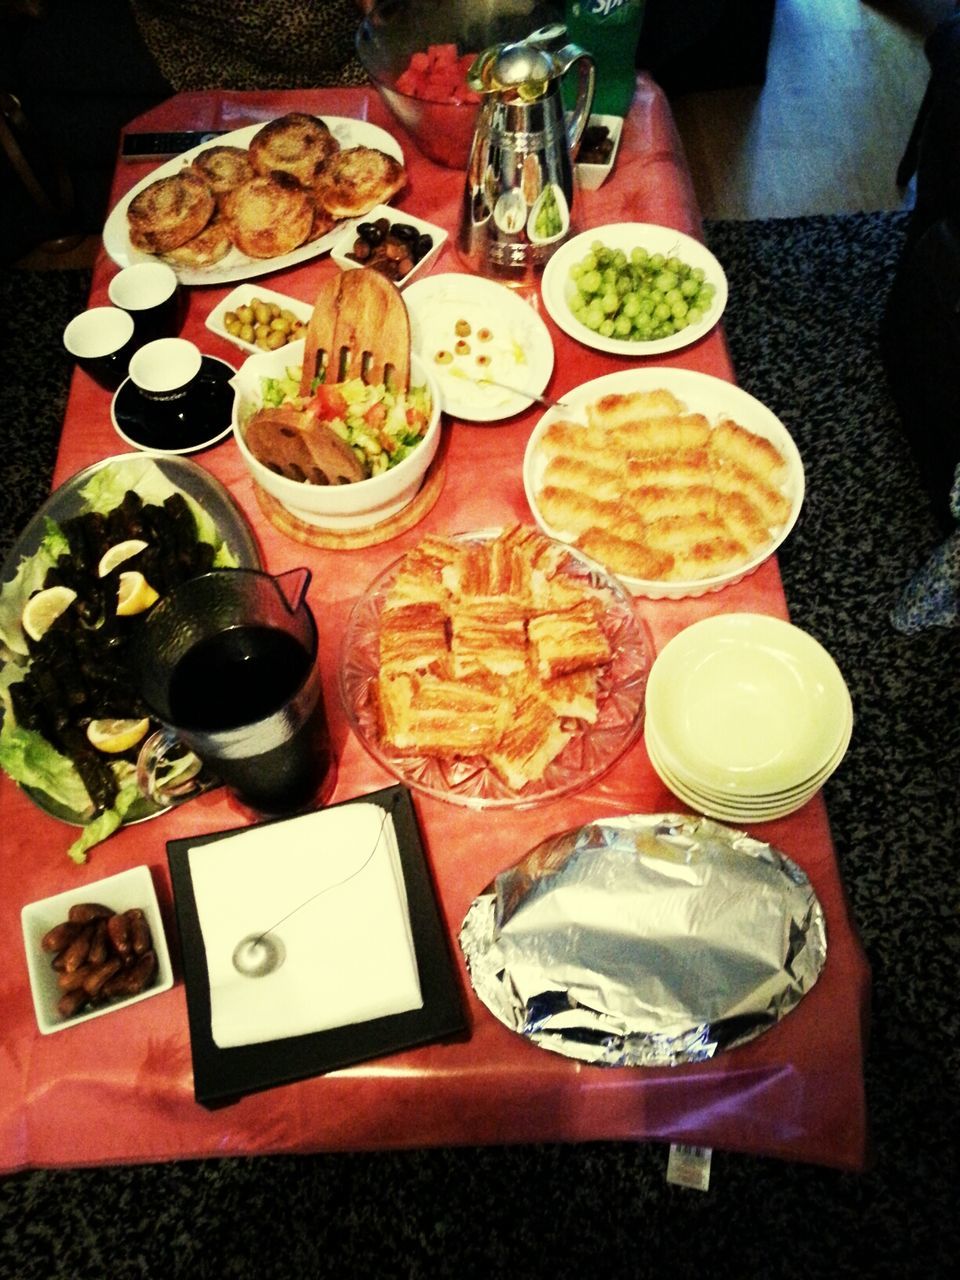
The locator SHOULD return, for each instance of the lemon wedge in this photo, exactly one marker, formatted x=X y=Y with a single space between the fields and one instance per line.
x=43 y=609
x=134 y=594
x=116 y=735
x=119 y=552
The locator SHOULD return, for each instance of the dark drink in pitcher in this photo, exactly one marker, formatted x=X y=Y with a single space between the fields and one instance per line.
x=249 y=688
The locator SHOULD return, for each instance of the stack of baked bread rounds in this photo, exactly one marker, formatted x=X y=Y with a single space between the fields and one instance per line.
x=291 y=186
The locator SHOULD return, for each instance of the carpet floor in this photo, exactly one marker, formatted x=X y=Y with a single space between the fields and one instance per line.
x=802 y=323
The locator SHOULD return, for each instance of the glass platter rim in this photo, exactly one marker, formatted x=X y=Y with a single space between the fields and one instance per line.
x=65 y=501
x=116 y=239
x=355 y=677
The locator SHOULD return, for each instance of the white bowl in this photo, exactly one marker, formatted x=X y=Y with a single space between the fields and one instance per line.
x=241 y=296
x=128 y=889
x=336 y=507
x=556 y=286
x=746 y=704
x=701 y=393
x=341 y=250
x=592 y=176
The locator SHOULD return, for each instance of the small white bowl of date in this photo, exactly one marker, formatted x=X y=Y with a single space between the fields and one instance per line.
x=396 y=243
x=52 y=969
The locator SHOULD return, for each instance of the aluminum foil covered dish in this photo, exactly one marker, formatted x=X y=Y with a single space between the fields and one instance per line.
x=645 y=940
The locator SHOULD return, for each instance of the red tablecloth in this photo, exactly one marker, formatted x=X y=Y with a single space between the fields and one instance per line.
x=120 y=1088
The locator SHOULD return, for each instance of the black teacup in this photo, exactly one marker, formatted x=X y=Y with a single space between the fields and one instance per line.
x=151 y=292
x=166 y=375
x=102 y=341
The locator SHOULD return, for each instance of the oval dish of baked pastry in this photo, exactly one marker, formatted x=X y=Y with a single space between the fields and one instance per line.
x=199 y=265
x=169 y=212
x=268 y=216
x=678 y=482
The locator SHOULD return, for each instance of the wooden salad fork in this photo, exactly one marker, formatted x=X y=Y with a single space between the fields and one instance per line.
x=359 y=329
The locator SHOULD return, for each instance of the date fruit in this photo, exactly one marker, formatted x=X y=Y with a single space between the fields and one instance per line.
x=100 y=955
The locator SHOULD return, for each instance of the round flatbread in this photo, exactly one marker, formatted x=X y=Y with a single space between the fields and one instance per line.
x=297 y=143
x=169 y=212
x=206 y=248
x=356 y=179
x=268 y=215
x=224 y=168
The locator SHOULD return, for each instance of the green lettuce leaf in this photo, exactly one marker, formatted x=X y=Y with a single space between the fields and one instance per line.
x=30 y=760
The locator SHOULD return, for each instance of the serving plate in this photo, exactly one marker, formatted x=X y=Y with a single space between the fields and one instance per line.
x=236 y=265
x=504 y=331
x=472 y=783
x=68 y=501
x=556 y=286
x=701 y=393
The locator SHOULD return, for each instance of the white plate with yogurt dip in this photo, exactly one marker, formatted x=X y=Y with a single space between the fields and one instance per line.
x=473 y=334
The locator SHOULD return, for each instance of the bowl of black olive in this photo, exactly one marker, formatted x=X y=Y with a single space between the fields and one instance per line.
x=396 y=244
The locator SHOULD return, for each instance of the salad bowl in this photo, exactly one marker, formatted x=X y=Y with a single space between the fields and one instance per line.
x=359 y=505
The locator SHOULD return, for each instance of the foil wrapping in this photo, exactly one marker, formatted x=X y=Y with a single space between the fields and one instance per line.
x=645 y=940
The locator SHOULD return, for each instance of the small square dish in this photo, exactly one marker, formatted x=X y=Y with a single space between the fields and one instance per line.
x=121 y=893
x=598 y=151
x=389 y=236
x=225 y=318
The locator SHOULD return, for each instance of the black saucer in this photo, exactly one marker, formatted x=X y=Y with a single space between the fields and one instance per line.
x=197 y=421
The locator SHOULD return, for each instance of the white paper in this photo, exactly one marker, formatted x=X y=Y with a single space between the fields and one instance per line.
x=349 y=948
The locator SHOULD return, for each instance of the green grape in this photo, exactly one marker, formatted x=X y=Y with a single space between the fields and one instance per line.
x=637 y=295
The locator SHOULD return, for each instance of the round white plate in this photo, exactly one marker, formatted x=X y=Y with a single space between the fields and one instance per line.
x=236 y=265
x=701 y=393
x=556 y=285
x=504 y=331
x=738 y=801
x=749 y=703
x=725 y=811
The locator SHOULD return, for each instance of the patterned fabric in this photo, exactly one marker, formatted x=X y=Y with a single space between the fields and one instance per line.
x=252 y=44
x=932 y=596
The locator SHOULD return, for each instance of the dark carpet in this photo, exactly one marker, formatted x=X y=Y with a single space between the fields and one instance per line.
x=805 y=303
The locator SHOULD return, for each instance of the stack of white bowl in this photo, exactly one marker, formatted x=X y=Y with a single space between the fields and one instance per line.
x=746 y=717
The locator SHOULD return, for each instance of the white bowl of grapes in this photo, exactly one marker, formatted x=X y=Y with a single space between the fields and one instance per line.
x=634 y=289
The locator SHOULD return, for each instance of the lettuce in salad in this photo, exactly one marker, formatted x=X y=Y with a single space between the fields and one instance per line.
x=382 y=426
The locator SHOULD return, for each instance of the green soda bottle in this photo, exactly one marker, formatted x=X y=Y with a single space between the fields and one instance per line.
x=610 y=30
